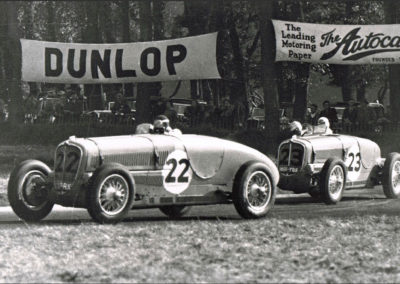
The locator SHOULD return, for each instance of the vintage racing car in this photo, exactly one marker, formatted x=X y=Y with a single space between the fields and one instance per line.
x=324 y=165
x=111 y=175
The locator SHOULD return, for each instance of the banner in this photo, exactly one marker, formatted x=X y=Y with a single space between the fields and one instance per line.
x=337 y=44
x=179 y=59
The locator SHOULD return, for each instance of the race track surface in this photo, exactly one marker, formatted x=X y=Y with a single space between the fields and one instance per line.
x=364 y=202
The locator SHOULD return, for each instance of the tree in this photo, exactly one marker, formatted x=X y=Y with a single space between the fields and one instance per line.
x=13 y=61
x=144 y=90
x=391 y=8
x=91 y=34
x=266 y=10
x=126 y=37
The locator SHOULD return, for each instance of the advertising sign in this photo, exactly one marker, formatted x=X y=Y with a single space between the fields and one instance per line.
x=177 y=59
x=337 y=44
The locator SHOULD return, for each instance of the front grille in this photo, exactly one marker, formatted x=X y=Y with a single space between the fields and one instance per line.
x=290 y=158
x=66 y=166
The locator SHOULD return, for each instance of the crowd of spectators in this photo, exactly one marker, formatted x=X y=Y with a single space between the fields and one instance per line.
x=356 y=116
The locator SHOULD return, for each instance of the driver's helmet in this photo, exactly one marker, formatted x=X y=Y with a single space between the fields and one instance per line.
x=295 y=127
x=161 y=124
x=324 y=121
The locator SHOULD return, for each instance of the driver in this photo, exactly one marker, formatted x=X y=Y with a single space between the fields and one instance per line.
x=323 y=121
x=161 y=126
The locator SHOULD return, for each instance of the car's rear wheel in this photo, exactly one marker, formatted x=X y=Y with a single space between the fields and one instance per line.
x=332 y=181
x=111 y=194
x=391 y=176
x=27 y=193
x=253 y=191
x=175 y=211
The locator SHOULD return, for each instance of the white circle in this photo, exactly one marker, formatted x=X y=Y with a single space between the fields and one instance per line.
x=353 y=163
x=177 y=173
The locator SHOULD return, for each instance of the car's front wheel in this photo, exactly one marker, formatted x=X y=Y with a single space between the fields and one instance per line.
x=332 y=181
x=27 y=191
x=175 y=211
x=253 y=191
x=391 y=176
x=111 y=194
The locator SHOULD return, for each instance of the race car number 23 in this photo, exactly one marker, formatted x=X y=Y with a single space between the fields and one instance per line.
x=177 y=173
x=355 y=163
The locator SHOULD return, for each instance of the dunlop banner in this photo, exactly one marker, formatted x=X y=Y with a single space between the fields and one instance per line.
x=337 y=44
x=179 y=59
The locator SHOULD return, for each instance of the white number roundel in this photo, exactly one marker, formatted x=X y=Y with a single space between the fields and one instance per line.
x=177 y=173
x=353 y=163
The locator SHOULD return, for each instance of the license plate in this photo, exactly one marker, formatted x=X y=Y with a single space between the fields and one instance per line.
x=290 y=170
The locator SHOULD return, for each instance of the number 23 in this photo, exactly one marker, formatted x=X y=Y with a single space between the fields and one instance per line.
x=357 y=159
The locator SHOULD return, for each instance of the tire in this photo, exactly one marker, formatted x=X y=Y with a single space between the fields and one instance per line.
x=391 y=176
x=175 y=211
x=27 y=193
x=111 y=194
x=264 y=188
x=333 y=167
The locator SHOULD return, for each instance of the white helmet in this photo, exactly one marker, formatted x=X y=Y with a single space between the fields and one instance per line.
x=324 y=121
x=296 y=125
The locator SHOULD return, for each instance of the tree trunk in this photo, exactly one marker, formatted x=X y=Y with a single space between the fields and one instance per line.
x=92 y=35
x=301 y=91
x=266 y=12
x=345 y=83
x=391 y=8
x=126 y=37
x=143 y=102
x=51 y=19
x=196 y=25
x=13 y=69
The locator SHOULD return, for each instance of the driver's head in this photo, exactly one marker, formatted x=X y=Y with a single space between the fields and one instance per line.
x=161 y=124
x=296 y=127
x=323 y=121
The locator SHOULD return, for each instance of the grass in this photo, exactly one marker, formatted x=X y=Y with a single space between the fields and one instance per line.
x=354 y=249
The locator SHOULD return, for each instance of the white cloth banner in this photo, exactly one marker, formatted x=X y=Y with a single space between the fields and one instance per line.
x=178 y=59
x=337 y=44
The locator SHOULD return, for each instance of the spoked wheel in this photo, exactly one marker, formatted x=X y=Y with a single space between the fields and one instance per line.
x=333 y=181
x=27 y=191
x=253 y=191
x=111 y=195
x=391 y=176
x=258 y=191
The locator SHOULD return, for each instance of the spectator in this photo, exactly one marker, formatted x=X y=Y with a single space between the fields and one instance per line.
x=350 y=116
x=366 y=117
x=171 y=113
x=226 y=115
x=209 y=114
x=160 y=107
x=313 y=115
x=120 y=106
x=73 y=109
x=191 y=113
x=329 y=112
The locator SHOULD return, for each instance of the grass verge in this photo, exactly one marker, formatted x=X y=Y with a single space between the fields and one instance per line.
x=319 y=250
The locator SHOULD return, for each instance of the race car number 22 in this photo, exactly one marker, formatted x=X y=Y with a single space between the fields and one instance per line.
x=177 y=173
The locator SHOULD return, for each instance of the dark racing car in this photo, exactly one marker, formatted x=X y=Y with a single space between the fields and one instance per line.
x=326 y=164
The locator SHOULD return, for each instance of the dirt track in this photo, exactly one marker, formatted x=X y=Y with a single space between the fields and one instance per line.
x=365 y=202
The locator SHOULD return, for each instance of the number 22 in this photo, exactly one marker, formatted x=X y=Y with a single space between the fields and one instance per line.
x=181 y=178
